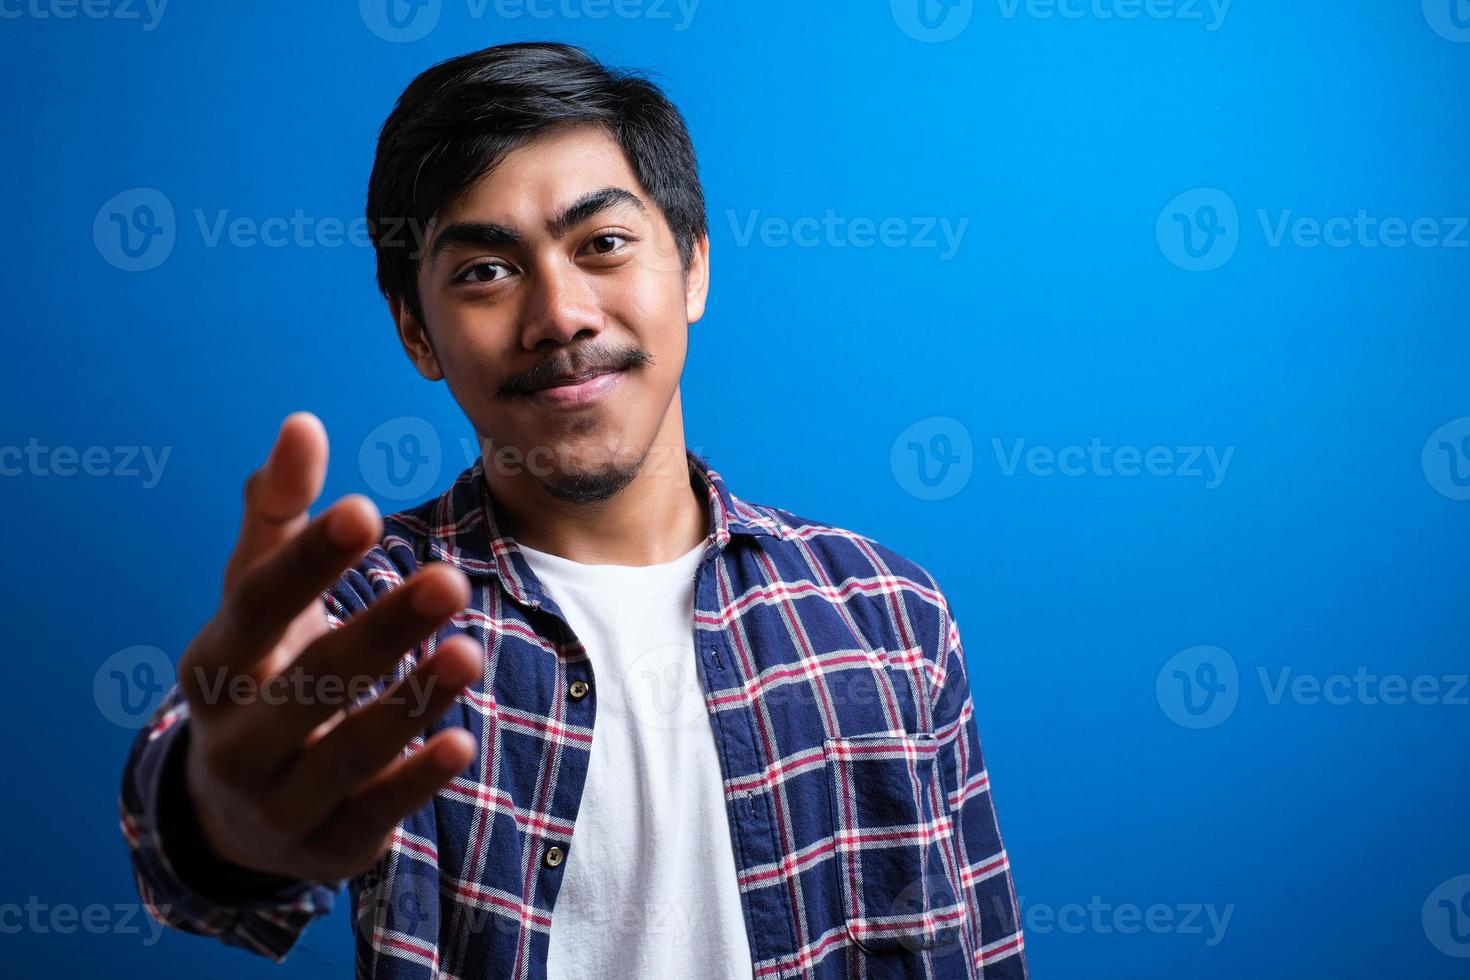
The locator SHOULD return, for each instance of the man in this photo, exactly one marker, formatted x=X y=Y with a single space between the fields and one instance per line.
x=628 y=724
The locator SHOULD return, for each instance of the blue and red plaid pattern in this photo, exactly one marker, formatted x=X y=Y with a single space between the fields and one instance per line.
x=859 y=805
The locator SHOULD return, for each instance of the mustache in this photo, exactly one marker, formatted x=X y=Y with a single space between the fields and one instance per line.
x=589 y=357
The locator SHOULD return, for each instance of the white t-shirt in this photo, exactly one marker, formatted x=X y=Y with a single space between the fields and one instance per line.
x=649 y=887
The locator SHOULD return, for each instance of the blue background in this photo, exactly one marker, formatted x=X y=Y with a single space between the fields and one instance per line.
x=1335 y=541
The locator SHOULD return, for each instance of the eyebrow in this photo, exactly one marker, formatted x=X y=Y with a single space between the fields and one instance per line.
x=489 y=234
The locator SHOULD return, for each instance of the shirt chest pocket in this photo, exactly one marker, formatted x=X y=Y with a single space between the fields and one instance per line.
x=895 y=856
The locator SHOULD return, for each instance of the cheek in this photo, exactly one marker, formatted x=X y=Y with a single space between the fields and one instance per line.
x=470 y=361
x=651 y=306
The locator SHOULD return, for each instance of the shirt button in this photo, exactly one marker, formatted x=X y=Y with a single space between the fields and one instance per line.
x=554 y=856
x=577 y=691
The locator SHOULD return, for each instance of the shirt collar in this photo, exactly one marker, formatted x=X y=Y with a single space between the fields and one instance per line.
x=463 y=532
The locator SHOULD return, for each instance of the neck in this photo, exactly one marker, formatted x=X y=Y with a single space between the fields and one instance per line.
x=659 y=516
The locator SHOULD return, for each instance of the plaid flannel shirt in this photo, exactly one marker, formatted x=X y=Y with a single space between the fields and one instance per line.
x=859 y=806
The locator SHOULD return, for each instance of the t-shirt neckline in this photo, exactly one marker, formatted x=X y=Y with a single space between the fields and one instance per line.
x=606 y=576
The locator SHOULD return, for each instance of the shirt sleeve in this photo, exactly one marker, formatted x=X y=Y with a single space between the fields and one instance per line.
x=181 y=883
x=985 y=871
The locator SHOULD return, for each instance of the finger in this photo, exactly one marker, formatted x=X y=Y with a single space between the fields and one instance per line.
x=278 y=494
x=266 y=599
x=372 y=736
x=360 y=828
x=363 y=651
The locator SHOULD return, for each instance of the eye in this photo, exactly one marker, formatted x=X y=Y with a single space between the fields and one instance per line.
x=606 y=243
x=474 y=273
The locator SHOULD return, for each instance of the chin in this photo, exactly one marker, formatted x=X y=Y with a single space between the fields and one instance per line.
x=590 y=485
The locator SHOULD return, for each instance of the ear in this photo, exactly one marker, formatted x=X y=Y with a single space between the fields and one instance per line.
x=415 y=339
x=696 y=281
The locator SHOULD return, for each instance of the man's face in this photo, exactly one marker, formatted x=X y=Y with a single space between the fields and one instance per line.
x=556 y=309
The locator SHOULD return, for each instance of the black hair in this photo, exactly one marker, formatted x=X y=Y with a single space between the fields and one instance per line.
x=459 y=118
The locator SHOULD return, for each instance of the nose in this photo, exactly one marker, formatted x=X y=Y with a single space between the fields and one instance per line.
x=560 y=306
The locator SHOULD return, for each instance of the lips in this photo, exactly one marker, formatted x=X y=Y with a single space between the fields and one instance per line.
x=575 y=379
x=577 y=391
